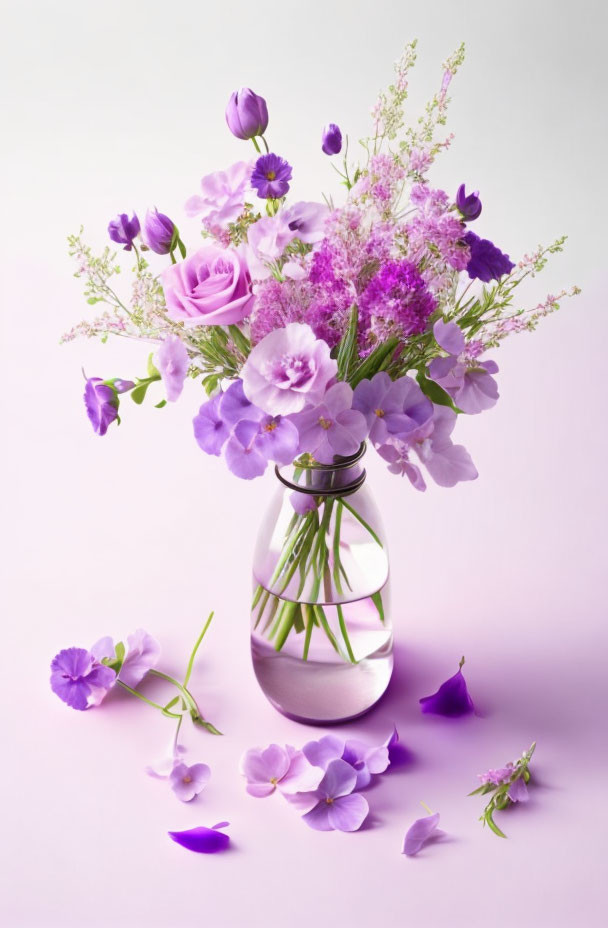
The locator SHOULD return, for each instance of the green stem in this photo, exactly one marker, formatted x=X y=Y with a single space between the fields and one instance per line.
x=155 y=705
x=336 y=546
x=310 y=623
x=195 y=649
x=322 y=619
x=349 y=650
x=363 y=522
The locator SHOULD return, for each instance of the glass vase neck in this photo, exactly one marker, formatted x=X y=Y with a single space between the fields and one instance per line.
x=305 y=475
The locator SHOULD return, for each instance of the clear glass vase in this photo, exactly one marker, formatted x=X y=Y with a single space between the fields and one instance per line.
x=321 y=637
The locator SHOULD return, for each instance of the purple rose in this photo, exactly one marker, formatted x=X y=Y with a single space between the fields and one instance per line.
x=101 y=404
x=246 y=114
x=331 y=140
x=288 y=369
x=469 y=206
x=271 y=176
x=158 y=232
x=211 y=287
x=123 y=230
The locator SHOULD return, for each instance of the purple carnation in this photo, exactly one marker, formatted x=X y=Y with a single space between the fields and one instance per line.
x=487 y=262
x=396 y=302
x=123 y=230
x=271 y=176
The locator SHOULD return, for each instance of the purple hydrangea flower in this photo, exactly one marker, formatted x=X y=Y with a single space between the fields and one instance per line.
x=487 y=262
x=275 y=767
x=451 y=699
x=173 y=360
x=392 y=407
x=287 y=369
x=210 y=430
x=467 y=379
x=337 y=807
x=246 y=114
x=158 y=232
x=101 y=403
x=333 y=427
x=469 y=206
x=187 y=782
x=123 y=230
x=202 y=840
x=271 y=176
x=331 y=140
x=79 y=679
x=419 y=833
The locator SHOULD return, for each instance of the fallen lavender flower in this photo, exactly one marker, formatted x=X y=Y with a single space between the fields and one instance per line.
x=507 y=785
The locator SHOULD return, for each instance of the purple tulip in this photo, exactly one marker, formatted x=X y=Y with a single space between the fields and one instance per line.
x=123 y=230
x=331 y=140
x=101 y=404
x=451 y=699
x=271 y=176
x=487 y=262
x=158 y=232
x=246 y=114
x=469 y=206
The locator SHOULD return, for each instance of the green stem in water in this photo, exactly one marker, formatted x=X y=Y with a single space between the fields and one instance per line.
x=363 y=522
x=349 y=649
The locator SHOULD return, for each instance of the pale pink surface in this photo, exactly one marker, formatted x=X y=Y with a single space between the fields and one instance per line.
x=138 y=528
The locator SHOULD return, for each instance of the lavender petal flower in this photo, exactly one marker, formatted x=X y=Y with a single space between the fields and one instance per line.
x=79 y=679
x=307 y=220
x=322 y=752
x=210 y=430
x=518 y=791
x=172 y=360
x=447 y=463
x=187 y=782
x=243 y=456
x=101 y=403
x=123 y=230
x=234 y=406
x=202 y=840
x=365 y=760
x=222 y=197
x=419 y=833
x=451 y=699
x=337 y=806
x=271 y=176
x=467 y=379
x=333 y=427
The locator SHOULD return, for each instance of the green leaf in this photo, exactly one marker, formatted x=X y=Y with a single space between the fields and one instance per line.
x=152 y=370
x=434 y=392
x=493 y=826
x=138 y=393
x=377 y=601
x=94 y=299
x=182 y=251
x=120 y=652
x=347 y=349
x=210 y=383
x=376 y=361
x=240 y=340
x=160 y=405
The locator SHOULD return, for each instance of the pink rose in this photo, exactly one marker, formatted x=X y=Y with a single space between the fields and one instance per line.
x=211 y=287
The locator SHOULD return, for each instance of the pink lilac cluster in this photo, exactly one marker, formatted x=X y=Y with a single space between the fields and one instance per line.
x=435 y=238
x=322 y=780
x=395 y=303
x=382 y=182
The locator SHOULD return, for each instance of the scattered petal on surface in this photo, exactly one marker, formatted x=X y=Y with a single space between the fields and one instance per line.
x=202 y=840
x=187 y=782
x=419 y=834
x=451 y=699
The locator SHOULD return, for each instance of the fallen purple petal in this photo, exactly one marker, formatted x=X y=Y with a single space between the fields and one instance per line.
x=451 y=699
x=202 y=840
x=419 y=833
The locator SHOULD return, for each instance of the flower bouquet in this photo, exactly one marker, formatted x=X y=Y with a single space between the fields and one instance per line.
x=315 y=328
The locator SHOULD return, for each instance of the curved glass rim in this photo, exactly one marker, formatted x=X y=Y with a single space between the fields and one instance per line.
x=342 y=464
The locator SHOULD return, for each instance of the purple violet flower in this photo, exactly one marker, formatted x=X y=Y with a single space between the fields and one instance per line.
x=158 y=232
x=288 y=369
x=101 y=402
x=419 y=833
x=252 y=444
x=123 y=230
x=333 y=427
x=202 y=840
x=447 y=463
x=173 y=360
x=392 y=407
x=79 y=679
x=246 y=114
x=467 y=379
x=187 y=782
x=365 y=759
x=210 y=430
x=518 y=791
x=234 y=406
x=275 y=767
x=271 y=176
x=337 y=807
x=306 y=220
x=142 y=654
x=487 y=262
x=331 y=140
x=469 y=206
x=451 y=699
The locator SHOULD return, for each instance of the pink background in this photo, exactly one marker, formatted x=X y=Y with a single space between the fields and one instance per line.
x=120 y=106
